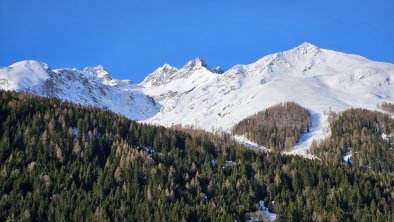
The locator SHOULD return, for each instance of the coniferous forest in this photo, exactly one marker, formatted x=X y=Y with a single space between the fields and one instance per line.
x=66 y=162
x=278 y=127
x=388 y=107
x=365 y=135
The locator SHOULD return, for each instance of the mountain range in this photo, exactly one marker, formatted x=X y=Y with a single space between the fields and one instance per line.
x=199 y=96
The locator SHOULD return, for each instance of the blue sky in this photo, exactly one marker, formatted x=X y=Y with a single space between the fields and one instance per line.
x=132 y=38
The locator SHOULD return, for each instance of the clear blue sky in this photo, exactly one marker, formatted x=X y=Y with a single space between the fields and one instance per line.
x=132 y=38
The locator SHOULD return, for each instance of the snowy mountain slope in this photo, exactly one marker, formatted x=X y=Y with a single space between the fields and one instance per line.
x=318 y=79
x=197 y=95
x=92 y=86
x=22 y=75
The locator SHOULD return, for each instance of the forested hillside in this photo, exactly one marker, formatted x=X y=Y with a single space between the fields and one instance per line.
x=278 y=127
x=388 y=107
x=364 y=136
x=65 y=162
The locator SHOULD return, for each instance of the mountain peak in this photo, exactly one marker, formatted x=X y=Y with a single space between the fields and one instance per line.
x=305 y=48
x=99 y=68
x=196 y=63
x=159 y=76
x=23 y=75
x=167 y=68
x=307 y=45
x=98 y=71
x=32 y=64
x=199 y=63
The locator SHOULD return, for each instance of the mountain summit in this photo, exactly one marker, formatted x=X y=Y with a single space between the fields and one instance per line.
x=306 y=47
x=196 y=64
x=24 y=74
x=199 y=63
x=159 y=76
x=98 y=71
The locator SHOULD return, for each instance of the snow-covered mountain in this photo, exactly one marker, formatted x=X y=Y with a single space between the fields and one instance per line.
x=319 y=79
x=197 y=95
x=93 y=86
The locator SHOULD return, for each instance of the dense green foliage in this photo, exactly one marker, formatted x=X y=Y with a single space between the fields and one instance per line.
x=64 y=162
x=278 y=127
x=359 y=131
